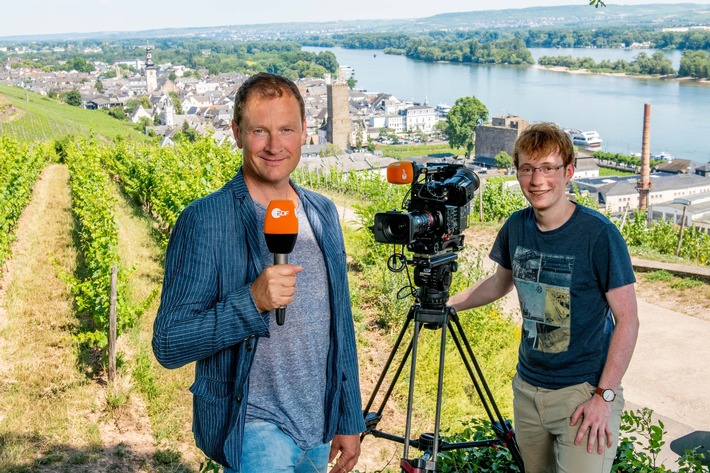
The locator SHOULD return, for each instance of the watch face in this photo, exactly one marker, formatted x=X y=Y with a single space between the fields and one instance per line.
x=608 y=395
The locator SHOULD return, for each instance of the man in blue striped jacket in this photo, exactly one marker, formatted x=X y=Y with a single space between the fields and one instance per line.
x=266 y=397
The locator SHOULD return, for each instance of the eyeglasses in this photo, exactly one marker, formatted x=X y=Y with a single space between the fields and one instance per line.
x=546 y=170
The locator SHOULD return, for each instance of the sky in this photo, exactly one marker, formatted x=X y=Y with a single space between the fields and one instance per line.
x=36 y=17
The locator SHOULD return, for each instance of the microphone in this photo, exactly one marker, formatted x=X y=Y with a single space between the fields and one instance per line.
x=401 y=172
x=280 y=231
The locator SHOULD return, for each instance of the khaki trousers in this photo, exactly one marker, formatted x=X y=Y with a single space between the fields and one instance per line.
x=545 y=436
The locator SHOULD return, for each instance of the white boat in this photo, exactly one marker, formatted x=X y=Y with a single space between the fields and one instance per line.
x=664 y=156
x=586 y=139
x=442 y=109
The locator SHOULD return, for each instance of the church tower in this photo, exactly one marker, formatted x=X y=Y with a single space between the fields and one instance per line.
x=339 y=125
x=151 y=77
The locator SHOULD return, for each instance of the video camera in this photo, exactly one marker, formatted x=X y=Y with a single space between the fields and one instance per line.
x=438 y=206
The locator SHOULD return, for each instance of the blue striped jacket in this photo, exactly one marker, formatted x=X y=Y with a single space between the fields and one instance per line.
x=207 y=315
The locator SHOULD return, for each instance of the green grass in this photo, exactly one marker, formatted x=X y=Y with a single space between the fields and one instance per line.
x=40 y=118
x=424 y=149
x=661 y=275
x=613 y=172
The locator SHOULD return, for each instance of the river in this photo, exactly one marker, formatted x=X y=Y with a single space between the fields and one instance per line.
x=611 y=105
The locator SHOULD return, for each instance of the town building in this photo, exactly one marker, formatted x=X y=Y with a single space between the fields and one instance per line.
x=617 y=194
x=339 y=124
x=151 y=75
x=496 y=137
x=690 y=211
x=420 y=118
x=585 y=165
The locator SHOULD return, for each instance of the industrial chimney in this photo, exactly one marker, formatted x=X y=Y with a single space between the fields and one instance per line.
x=643 y=186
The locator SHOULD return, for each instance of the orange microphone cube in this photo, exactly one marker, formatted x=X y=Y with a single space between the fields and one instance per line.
x=400 y=172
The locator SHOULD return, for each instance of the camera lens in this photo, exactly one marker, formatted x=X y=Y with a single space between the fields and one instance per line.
x=395 y=228
x=421 y=223
x=402 y=228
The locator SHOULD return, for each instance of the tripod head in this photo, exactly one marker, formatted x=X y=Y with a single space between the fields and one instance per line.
x=432 y=276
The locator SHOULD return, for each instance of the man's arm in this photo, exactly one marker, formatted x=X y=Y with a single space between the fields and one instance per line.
x=191 y=323
x=485 y=291
x=596 y=412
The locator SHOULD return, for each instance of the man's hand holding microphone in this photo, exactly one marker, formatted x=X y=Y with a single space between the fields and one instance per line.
x=276 y=285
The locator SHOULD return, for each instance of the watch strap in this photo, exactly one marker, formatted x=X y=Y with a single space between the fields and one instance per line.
x=602 y=391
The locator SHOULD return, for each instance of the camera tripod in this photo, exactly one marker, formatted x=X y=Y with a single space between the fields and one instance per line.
x=432 y=313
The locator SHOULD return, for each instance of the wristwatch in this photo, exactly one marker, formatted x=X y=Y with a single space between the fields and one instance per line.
x=607 y=394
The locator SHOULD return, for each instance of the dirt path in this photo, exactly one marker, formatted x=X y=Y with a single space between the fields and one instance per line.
x=70 y=428
x=43 y=396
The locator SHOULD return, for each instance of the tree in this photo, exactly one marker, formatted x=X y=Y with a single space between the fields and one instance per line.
x=358 y=136
x=442 y=128
x=133 y=104
x=73 y=97
x=176 y=102
x=462 y=119
x=79 y=64
x=328 y=60
x=504 y=160
x=143 y=123
x=330 y=150
x=117 y=113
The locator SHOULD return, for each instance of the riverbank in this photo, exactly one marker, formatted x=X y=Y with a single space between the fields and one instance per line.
x=705 y=82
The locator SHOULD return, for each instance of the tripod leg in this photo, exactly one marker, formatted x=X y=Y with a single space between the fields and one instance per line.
x=500 y=426
x=439 y=392
x=410 y=395
x=410 y=316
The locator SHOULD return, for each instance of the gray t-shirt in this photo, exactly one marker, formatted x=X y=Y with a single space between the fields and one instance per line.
x=288 y=378
x=562 y=277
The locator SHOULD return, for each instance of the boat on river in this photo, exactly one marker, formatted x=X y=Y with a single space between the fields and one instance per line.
x=585 y=139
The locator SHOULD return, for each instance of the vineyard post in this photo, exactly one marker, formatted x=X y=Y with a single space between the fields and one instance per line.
x=623 y=218
x=680 y=233
x=112 y=326
x=480 y=201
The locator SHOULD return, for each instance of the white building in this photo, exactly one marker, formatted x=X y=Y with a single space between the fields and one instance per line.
x=393 y=122
x=618 y=193
x=696 y=208
x=420 y=118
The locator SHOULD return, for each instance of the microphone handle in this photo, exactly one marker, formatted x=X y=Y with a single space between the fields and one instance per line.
x=281 y=258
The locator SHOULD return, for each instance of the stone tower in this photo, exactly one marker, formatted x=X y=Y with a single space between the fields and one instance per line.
x=151 y=75
x=339 y=125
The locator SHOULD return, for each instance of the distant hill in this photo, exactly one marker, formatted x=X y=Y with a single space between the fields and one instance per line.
x=578 y=16
x=659 y=15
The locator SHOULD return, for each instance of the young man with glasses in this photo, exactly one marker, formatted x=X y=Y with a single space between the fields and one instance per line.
x=575 y=284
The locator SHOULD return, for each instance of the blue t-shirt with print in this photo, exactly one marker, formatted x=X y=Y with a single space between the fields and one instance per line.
x=562 y=277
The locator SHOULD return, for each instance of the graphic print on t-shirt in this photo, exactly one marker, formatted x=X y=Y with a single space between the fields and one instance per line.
x=543 y=283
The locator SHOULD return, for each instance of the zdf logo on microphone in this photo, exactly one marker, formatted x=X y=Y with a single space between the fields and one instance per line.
x=278 y=213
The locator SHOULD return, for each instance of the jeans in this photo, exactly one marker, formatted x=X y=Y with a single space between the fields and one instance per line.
x=268 y=449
